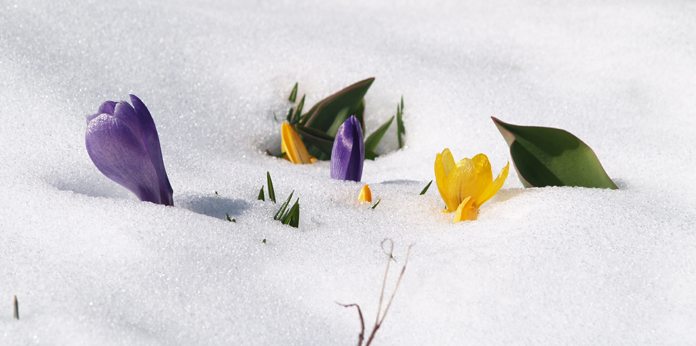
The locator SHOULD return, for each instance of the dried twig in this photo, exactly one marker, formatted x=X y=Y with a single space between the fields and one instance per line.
x=16 y=308
x=380 y=319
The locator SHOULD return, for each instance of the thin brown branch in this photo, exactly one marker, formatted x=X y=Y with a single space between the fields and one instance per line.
x=378 y=324
x=384 y=282
x=361 y=337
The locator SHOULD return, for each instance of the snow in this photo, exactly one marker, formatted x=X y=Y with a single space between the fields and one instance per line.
x=92 y=265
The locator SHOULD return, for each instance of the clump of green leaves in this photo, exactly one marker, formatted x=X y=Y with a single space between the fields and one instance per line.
x=289 y=216
x=317 y=128
x=286 y=216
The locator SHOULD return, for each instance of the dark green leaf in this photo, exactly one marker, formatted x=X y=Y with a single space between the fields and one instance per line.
x=289 y=116
x=400 y=129
x=298 y=112
x=261 y=195
x=317 y=139
x=271 y=191
x=280 y=156
x=228 y=217
x=293 y=93
x=279 y=214
x=373 y=139
x=360 y=114
x=545 y=156
x=375 y=205
x=425 y=189
x=370 y=155
x=337 y=122
x=264 y=240
x=323 y=114
x=292 y=217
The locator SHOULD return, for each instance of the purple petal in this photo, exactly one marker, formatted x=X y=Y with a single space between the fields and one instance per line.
x=107 y=107
x=348 y=151
x=118 y=153
x=151 y=142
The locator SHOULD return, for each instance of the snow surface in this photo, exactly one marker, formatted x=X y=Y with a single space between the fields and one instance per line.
x=92 y=265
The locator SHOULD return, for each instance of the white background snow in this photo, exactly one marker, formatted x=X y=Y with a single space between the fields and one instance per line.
x=92 y=265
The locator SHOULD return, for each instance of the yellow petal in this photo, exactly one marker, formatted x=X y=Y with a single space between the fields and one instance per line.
x=292 y=145
x=474 y=177
x=494 y=187
x=466 y=211
x=446 y=178
x=365 y=194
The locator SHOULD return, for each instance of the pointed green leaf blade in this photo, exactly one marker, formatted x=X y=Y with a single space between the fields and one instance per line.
x=271 y=191
x=360 y=114
x=298 y=112
x=545 y=156
x=293 y=93
x=374 y=138
x=281 y=212
x=323 y=114
x=261 y=195
x=400 y=129
x=425 y=189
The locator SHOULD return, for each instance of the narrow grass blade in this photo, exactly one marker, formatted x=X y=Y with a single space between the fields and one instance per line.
x=261 y=195
x=279 y=214
x=271 y=191
x=426 y=188
x=293 y=93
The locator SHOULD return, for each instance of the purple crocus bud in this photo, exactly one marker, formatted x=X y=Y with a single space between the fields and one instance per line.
x=122 y=142
x=348 y=151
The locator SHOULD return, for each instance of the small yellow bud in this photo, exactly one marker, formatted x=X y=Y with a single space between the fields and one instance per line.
x=365 y=194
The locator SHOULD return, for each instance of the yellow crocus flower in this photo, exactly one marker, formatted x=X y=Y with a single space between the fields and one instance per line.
x=466 y=185
x=291 y=144
x=365 y=194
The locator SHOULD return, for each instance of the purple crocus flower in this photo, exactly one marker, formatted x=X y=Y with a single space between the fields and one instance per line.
x=122 y=142
x=348 y=151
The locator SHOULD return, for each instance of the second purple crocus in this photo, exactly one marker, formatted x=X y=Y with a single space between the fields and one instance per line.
x=122 y=142
x=348 y=151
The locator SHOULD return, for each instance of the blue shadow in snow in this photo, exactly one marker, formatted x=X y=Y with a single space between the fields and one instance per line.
x=213 y=206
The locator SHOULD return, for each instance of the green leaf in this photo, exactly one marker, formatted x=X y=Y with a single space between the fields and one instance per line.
x=373 y=139
x=320 y=140
x=289 y=116
x=360 y=114
x=324 y=113
x=369 y=154
x=340 y=118
x=292 y=217
x=271 y=191
x=298 y=112
x=375 y=205
x=400 y=129
x=280 y=156
x=228 y=217
x=545 y=156
x=279 y=214
x=425 y=189
x=261 y=196
x=293 y=93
